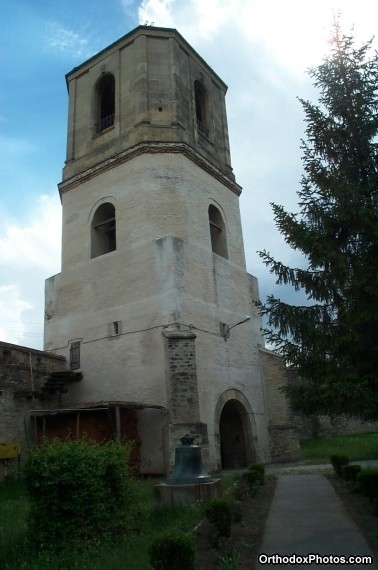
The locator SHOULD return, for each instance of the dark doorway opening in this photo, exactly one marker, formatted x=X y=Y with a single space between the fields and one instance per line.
x=232 y=436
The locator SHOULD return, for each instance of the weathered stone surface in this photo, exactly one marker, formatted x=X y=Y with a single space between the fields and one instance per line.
x=284 y=442
x=174 y=495
x=23 y=375
x=176 y=265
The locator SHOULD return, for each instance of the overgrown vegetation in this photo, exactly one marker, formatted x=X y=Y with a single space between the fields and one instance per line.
x=363 y=510
x=357 y=479
x=253 y=478
x=129 y=551
x=349 y=473
x=89 y=544
x=79 y=492
x=229 y=515
x=134 y=546
x=219 y=513
x=172 y=549
x=367 y=483
x=339 y=462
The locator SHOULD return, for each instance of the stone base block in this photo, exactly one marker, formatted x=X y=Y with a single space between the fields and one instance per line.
x=170 y=495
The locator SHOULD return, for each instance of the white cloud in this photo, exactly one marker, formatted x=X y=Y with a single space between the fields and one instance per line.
x=12 y=308
x=156 y=11
x=67 y=41
x=36 y=243
x=29 y=253
x=295 y=33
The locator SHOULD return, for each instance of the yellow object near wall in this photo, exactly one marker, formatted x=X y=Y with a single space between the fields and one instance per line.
x=9 y=450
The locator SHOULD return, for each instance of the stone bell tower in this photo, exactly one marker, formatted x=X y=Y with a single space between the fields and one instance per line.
x=153 y=303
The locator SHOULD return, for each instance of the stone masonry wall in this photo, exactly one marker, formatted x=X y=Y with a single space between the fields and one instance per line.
x=284 y=442
x=23 y=372
x=326 y=426
x=182 y=394
x=300 y=427
x=182 y=390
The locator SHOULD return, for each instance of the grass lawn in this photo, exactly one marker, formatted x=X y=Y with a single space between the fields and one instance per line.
x=356 y=447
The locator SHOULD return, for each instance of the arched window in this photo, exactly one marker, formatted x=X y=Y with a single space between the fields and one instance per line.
x=217 y=232
x=103 y=230
x=201 y=107
x=105 y=102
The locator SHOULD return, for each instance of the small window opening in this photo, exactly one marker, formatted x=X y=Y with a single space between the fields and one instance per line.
x=7 y=355
x=75 y=355
x=217 y=232
x=105 y=103
x=200 y=103
x=115 y=328
x=103 y=230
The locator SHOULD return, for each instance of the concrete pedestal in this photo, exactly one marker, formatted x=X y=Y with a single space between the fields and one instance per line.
x=171 y=495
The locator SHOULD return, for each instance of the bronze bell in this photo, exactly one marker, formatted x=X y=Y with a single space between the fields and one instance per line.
x=188 y=469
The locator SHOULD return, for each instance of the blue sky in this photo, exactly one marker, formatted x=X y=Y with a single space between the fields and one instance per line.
x=261 y=48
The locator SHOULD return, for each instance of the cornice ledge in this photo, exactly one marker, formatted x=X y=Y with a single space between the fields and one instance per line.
x=150 y=148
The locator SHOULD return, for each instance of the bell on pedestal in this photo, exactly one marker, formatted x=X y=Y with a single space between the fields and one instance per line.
x=188 y=469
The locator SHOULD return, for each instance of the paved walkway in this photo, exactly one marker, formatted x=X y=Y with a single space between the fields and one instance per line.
x=300 y=467
x=307 y=517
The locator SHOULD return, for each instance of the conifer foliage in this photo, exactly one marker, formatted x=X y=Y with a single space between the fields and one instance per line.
x=333 y=341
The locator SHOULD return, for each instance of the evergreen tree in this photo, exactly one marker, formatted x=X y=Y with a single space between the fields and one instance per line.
x=333 y=342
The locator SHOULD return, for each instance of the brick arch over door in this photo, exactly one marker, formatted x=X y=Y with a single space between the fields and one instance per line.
x=236 y=430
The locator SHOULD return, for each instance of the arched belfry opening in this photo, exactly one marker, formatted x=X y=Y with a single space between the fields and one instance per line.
x=217 y=232
x=103 y=230
x=105 y=107
x=201 y=107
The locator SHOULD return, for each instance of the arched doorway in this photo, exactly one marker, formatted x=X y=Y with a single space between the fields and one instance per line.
x=237 y=432
x=232 y=440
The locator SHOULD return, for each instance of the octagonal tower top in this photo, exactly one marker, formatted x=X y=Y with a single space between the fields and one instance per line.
x=147 y=92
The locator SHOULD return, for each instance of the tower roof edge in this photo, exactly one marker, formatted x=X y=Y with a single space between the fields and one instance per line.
x=150 y=31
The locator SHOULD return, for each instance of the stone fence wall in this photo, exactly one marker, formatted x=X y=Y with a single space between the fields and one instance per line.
x=23 y=373
x=327 y=426
x=284 y=442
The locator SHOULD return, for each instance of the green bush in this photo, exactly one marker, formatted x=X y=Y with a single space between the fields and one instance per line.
x=239 y=490
x=350 y=472
x=367 y=482
x=219 y=511
x=338 y=462
x=79 y=491
x=172 y=549
x=252 y=482
x=259 y=470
